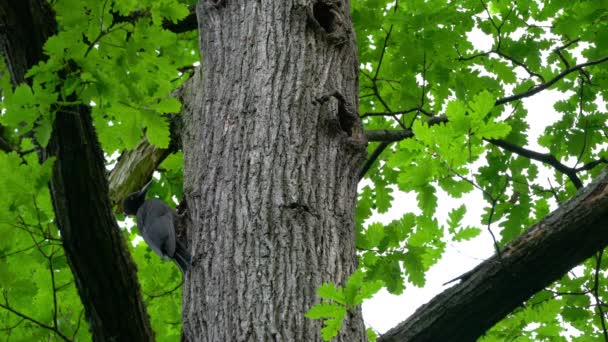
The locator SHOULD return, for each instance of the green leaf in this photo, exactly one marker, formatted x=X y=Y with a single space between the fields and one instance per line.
x=330 y=291
x=43 y=131
x=455 y=217
x=482 y=104
x=371 y=335
x=427 y=201
x=325 y=310
x=493 y=130
x=466 y=233
x=333 y=314
x=167 y=105
x=383 y=198
x=374 y=235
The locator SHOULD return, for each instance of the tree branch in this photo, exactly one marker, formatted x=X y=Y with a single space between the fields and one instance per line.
x=541 y=157
x=372 y=158
x=540 y=87
x=7 y=307
x=542 y=255
x=388 y=136
x=135 y=167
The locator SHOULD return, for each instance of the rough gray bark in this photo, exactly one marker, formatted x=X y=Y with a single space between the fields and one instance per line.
x=533 y=261
x=105 y=275
x=272 y=149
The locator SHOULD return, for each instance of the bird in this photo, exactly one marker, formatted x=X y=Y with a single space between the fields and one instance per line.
x=156 y=223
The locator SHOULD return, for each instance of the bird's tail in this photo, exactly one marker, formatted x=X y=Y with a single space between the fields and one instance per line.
x=182 y=257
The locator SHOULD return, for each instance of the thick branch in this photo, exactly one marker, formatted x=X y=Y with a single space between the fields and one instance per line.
x=135 y=167
x=537 y=258
x=105 y=274
x=387 y=135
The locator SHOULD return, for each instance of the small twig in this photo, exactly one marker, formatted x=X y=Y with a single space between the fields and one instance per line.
x=540 y=87
x=544 y=158
x=581 y=110
x=569 y=293
x=518 y=63
x=77 y=324
x=167 y=292
x=7 y=307
x=491 y=216
x=399 y=112
x=592 y=164
x=17 y=251
x=372 y=158
x=596 y=294
x=51 y=267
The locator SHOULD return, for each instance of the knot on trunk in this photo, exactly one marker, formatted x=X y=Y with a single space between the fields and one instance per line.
x=327 y=18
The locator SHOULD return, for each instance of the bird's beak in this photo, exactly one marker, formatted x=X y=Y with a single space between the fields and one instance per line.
x=145 y=188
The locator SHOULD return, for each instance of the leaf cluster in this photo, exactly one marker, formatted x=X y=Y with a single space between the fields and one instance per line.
x=116 y=57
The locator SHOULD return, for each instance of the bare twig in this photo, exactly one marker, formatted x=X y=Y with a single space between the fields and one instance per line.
x=372 y=158
x=596 y=294
x=167 y=292
x=542 y=157
x=7 y=307
x=540 y=87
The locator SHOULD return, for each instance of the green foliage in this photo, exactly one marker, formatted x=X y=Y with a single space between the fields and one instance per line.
x=424 y=60
x=126 y=70
x=421 y=61
x=341 y=300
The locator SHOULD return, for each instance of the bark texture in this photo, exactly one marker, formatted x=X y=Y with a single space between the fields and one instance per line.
x=533 y=261
x=272 y=149
x=105 y=275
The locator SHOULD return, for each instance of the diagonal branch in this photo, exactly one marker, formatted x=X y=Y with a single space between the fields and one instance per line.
x=372 y=158
x=540 y=87
x=596 y=292
x=545 y=158
x=531 y=262
x=35 y=321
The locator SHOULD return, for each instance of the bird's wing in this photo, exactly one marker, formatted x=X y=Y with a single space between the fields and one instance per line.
x=167 y=221
x=155 y=222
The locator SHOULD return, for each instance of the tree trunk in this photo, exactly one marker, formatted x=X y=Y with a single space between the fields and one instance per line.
x=272 y=150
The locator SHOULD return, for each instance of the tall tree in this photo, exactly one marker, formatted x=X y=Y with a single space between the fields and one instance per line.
x=272 y=150
x=271 y=141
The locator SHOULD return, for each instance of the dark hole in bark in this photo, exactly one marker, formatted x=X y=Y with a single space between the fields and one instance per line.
x=324 y=16
x=217 y=3
x=345 y=118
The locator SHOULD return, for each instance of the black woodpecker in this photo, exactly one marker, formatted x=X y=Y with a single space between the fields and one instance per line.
x=155 y=221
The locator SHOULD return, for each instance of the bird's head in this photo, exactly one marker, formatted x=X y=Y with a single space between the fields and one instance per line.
x=134 y=200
